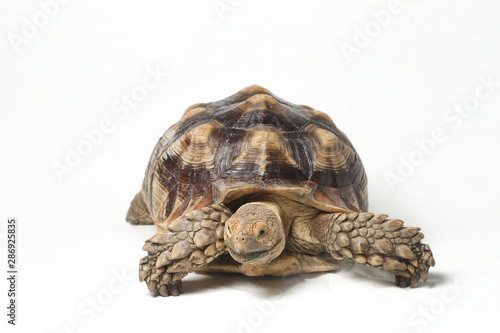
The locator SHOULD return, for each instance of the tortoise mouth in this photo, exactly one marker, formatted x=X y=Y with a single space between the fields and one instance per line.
x=245 y=257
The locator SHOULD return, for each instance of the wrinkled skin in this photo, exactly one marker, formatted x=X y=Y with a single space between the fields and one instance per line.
x=255 y=233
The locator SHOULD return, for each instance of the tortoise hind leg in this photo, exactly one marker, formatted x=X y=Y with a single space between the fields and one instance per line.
x=138 y=212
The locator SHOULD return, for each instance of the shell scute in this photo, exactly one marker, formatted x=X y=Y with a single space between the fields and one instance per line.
x=253 y=142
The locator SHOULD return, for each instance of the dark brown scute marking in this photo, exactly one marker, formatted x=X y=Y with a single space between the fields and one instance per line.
x=228 y=148
x=184 y=181
x=301 y=152
x=259 y=111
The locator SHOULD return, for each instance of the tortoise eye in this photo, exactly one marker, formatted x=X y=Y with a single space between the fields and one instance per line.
x=262 y=232
x=229 y=229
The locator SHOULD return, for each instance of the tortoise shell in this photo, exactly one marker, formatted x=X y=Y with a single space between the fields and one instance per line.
x=253 y=141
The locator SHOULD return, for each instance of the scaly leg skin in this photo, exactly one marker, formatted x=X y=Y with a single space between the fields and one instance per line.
x=138 y=212
x=374 y=240
x=184 y=244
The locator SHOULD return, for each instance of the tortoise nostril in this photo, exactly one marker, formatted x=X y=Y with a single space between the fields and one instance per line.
x=239 y=238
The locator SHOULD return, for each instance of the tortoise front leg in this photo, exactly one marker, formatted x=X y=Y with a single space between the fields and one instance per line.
x=374 y=240
x=184 y=244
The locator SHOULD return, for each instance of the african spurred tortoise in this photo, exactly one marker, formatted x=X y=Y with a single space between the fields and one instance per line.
x=256 y=185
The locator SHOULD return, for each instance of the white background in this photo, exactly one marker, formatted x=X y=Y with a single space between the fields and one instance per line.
x=62 y=78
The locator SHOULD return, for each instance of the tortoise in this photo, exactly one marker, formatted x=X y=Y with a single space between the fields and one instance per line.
x=256 y=185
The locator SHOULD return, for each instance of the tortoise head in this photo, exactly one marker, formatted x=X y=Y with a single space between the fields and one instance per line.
x=255 y=234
